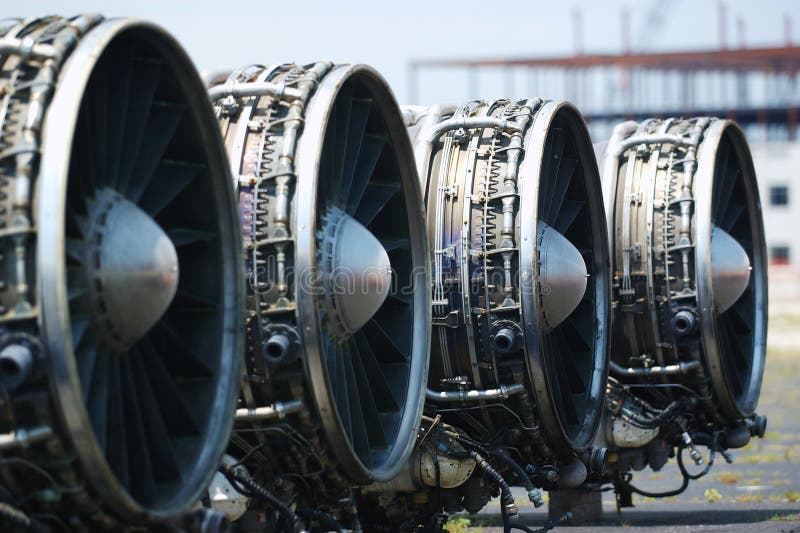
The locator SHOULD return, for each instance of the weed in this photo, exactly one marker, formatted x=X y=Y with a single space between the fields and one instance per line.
x=729 y=478
x=778 y=517
x=712 y=495
x=792 y=496
x=457 y=524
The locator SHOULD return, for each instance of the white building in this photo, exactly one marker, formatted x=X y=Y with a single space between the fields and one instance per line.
x=777 y=166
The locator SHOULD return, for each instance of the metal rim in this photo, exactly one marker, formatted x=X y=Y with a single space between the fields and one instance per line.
x=56 y=320
x=546 y=372
x=310 y=151
x=734 y=341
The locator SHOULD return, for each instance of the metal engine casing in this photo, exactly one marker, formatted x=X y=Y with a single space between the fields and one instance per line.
x=502 y=213
x=95 y=425
x=335 y=378
x=690 y=288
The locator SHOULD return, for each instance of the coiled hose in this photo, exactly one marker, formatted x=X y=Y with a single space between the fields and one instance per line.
x=684 y=474
x=261 y=492
x=655 y=420
x=507 y=505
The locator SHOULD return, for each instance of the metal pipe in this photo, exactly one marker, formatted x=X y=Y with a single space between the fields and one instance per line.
x=680 y=368
x=258 y=88
x=430 y=129
x=413 y=114
x=611 y=160
x=16 y=365
x=468 y=123
x=276 y=410
x=678 y=140
x=425 y=118
x=28 y=47
x=502 y=392
x=213 y=77
x=278 y=347
x=22 y=438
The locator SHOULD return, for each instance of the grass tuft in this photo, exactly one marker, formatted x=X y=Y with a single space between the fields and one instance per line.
x=712 y=495
x=729 y=478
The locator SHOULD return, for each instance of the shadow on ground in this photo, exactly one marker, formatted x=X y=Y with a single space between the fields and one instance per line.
x=760 y=491
x=758 y=518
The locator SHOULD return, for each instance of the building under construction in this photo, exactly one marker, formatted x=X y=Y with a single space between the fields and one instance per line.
x=757 y=87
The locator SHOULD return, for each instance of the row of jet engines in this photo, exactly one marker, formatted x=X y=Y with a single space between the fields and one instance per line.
x=272 y=299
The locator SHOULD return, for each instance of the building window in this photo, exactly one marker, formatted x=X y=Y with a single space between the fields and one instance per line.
x=779 y=255
x=779 y=195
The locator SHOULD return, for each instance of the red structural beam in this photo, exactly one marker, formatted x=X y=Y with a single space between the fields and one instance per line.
x=748 y=59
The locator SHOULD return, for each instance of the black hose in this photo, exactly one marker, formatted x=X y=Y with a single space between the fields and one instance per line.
x=705 y=471
x=561 y=520
x=520 y=473
x=651 y=422
x=323 y=518
x=669 y=493
x=507 y=505
x=261 y=492
x=666 y=494
x=472 y=444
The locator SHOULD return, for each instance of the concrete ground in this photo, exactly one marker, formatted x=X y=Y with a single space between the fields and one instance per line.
x=760 y=491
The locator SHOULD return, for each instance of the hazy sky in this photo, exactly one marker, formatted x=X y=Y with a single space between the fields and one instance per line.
x=230 y=33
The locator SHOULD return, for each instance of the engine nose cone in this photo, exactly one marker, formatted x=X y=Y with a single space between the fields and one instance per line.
x=358 y=273
x=132 y=268
x=562 y=277
x=730 y=269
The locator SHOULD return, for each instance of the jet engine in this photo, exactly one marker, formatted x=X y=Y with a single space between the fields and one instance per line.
x=521 y=309
x=120 y=301
x=338 y=302
x=690 y=295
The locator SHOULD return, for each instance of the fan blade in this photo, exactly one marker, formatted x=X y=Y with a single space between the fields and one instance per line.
x=340 y=118
x=566 y=391
x=554 y=148
x=368 y=158
x=84 y=154
x=341 y=393
x=566 y=169
x=360 y=438
x=140 y=465
x=78 y=329
x=390 y=244
x=728 y=187
x=385 y=398
x=393 y=322
x=98 y=91
x=186 y=236
x=175 y=411
x=117 y=437
x=181 y=359
x=171 y=178
x=97 y=403
x=158 y=133
x=375 y=198
x=144 y=81
x=86 y=359
x=164 y=461
x=118 y=94
x=567 y=215
x=357 y=127
x=74 y=249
